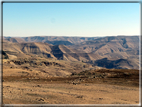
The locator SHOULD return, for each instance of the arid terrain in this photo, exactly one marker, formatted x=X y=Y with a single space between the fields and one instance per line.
x=37 y=72
x=116 y=52
x=102 y=86
x=115 y=87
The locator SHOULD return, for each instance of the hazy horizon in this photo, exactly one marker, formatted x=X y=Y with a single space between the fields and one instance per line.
x=71 y=19
x=69 y=36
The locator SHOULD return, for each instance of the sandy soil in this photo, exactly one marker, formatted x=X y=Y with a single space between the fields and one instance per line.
x=24 y=86
x=63 y=93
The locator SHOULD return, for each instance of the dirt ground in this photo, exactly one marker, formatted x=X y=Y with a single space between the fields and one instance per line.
x=102 y=86
x=37 y=92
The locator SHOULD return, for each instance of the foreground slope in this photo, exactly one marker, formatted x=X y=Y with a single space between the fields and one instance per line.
x=100 y=86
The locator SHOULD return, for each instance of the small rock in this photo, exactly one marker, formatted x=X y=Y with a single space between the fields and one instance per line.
x=41 y=99
x=80 y=96
x=100 y=98
x=7 y=86
x=38 y=85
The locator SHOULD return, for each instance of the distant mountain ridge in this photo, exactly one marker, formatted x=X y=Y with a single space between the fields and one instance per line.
x=54 y=40
x=111 y=45
x=109 y=52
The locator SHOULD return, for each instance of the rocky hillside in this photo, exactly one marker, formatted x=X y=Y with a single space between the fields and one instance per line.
x=121 y=52
x=120 y=47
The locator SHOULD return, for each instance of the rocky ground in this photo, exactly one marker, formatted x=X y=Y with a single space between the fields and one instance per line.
x=62 y=93
x=51 y=82
x=70 y=90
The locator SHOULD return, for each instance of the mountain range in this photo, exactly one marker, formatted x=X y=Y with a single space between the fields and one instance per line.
x=118 y=52
x=54 y=40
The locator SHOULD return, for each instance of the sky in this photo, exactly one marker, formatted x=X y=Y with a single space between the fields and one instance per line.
x=71 y=19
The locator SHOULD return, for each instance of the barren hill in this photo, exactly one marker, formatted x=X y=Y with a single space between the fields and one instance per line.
x=112 y=47
x=120 y=51
x=44 y=50
x=124 y=49
x=117 y=64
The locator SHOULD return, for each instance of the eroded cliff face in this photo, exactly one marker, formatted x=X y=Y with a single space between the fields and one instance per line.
x=121 y=52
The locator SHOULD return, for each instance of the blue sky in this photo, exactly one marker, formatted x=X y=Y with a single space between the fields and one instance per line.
x=71 y=19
